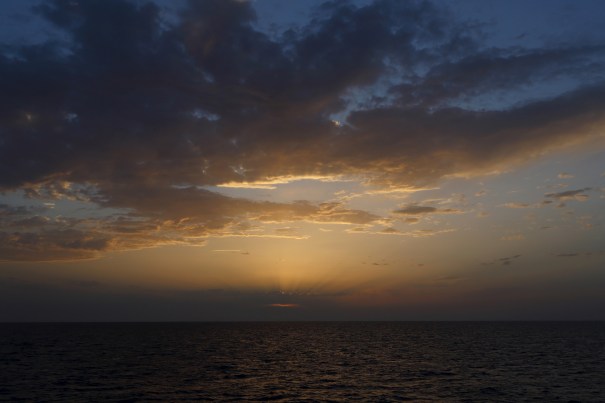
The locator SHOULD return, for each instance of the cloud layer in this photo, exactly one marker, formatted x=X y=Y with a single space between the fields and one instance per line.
x=141 y=116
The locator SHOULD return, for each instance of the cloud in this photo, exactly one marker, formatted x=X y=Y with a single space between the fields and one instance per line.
x=578 y=195
x=422 y=210
x=280 y=107
x=271 y=183
x=64 y=244
x=543 y=203
x=413 y=210
x=8 y=211
x=517 y=205
x=423 y=233
x=373 y=231
x=567 y=254
x=505 y=261
x=564 y=175
x=337 y=213
x=289 y=232
x=497 y=69
x=136 y=115
x=568 y=195
x=235 y=251
x=420 y=233
x=148 y=217
x=513 y=237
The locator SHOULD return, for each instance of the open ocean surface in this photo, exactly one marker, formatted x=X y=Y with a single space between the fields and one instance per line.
x=323 y=361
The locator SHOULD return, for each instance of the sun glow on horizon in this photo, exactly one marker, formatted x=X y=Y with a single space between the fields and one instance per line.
x=283 y=305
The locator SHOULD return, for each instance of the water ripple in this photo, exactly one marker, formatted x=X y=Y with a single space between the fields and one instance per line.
x=300 y=362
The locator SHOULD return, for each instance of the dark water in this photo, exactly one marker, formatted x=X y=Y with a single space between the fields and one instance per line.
x=442 y=361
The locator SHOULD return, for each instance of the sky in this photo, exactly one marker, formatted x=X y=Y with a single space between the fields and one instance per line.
x=229 y=160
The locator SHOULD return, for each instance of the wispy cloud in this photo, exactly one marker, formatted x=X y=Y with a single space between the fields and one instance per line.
x=423 y=210
x=513 y=237
x=577 y=195
x=236 y=251
x=271 y=183
x=504 y=261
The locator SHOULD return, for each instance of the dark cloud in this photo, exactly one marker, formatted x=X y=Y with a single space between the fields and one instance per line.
x=11 y=212
x=579 y=195
x=34 y=221
x=505 y=261
x=498 y=69
x=134 y=114
x=54 y=244
x=520 y=205
x=390 y=230
x=567 y=255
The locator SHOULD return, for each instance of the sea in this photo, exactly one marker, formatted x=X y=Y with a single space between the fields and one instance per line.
x=304 y=361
